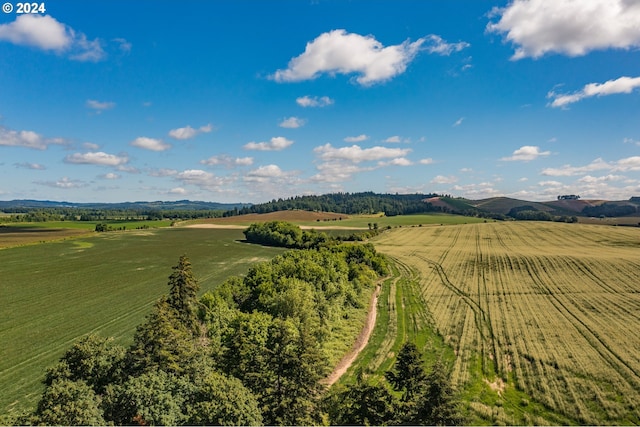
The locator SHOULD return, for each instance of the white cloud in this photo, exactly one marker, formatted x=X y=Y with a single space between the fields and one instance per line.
x=623 y=165
x=606 y=178
x=178 y=190
x=441 y=179
x=64 y=183
x=610 y=87
x=265 y=173
x=526 y=153
x=23 y=138
x=631 y=141
x=123 y=44
x=340 y=52
x=399 y=161
x=436 y=44
x=393 y=139
x=150 y=144
x=358 y=138
x=97 y=158
x=224 y=160
x=458 y=122
x=46 y=33
x=110 y=175
x=568 y=170
x=100 y=106
x=292 y=123
x=202 y=179
x=357 y=154
x=90 y=146
x=569 y=27
x=480 y=190
x=307 y=101
x=277 y=143
x=32 y=166
x=161 y=173
x=188 y=132
x=429 y=161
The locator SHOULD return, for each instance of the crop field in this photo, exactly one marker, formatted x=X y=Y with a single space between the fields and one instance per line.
x=17 y=234
x=53 y=293
x=543 y=318
x=331 y=220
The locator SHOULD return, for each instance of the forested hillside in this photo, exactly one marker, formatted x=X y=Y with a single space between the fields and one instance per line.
x=347 y=203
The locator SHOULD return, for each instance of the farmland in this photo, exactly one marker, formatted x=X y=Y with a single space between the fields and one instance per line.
x=542 y=317
x=53 y=293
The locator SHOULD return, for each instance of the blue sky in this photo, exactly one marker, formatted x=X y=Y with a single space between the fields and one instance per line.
x=245 y=101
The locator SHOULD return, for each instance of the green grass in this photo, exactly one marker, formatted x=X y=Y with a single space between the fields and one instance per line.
x=53 y=293
x=91 y=225
x=363 y=221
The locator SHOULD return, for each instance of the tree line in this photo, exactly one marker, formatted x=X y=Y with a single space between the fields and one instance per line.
x=250 y=352
x=346 y=203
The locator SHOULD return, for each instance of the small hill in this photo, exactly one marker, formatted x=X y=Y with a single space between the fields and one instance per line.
x=573 y=205
x=503 y=205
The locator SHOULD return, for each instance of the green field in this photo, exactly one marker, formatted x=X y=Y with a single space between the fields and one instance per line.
x=52 y=293
x=541 y=318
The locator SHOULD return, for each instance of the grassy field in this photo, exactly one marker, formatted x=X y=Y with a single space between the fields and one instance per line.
x=542 y=317
x=329 y=220
x=26 y=233
x=52 y=293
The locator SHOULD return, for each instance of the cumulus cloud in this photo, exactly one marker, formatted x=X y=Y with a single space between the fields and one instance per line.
x=46 y=33
x=610 y=87
x=99 y=106
x=441 y=179
x=110 y=175
x=623 y=165
x=307 y=101
x=150 y=144
x=277 y=143
x=266 y=173
x=64 y=183
x=292 y=123
x=393 y=139
x=202 y=179
x=526 y=153
x=345 y=53
x=358 y=138
x=399 y=161
x=227 y=161
x=569 y=27
x=32 y=166
x=427 y=161
x=178 y=190
x=161 y=173
x=96 y=158
x=340 y=164
x=357 y=154
x=27 y=139
x=188 y=132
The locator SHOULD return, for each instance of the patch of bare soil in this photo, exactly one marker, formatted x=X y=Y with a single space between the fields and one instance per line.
x=359 y=345
x=498 y=385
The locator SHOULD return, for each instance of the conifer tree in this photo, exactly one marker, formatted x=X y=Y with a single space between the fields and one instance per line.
x=183 y=289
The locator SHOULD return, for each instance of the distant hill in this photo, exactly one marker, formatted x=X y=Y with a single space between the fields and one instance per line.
x=133 y=206
x=361 y=203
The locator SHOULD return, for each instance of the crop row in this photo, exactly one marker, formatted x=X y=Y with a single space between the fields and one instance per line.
x=550 y=309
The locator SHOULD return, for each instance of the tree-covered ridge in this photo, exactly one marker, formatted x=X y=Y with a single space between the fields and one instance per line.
x=347 y=203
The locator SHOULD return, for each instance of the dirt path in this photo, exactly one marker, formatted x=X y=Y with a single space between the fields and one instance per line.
x=360 y=343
